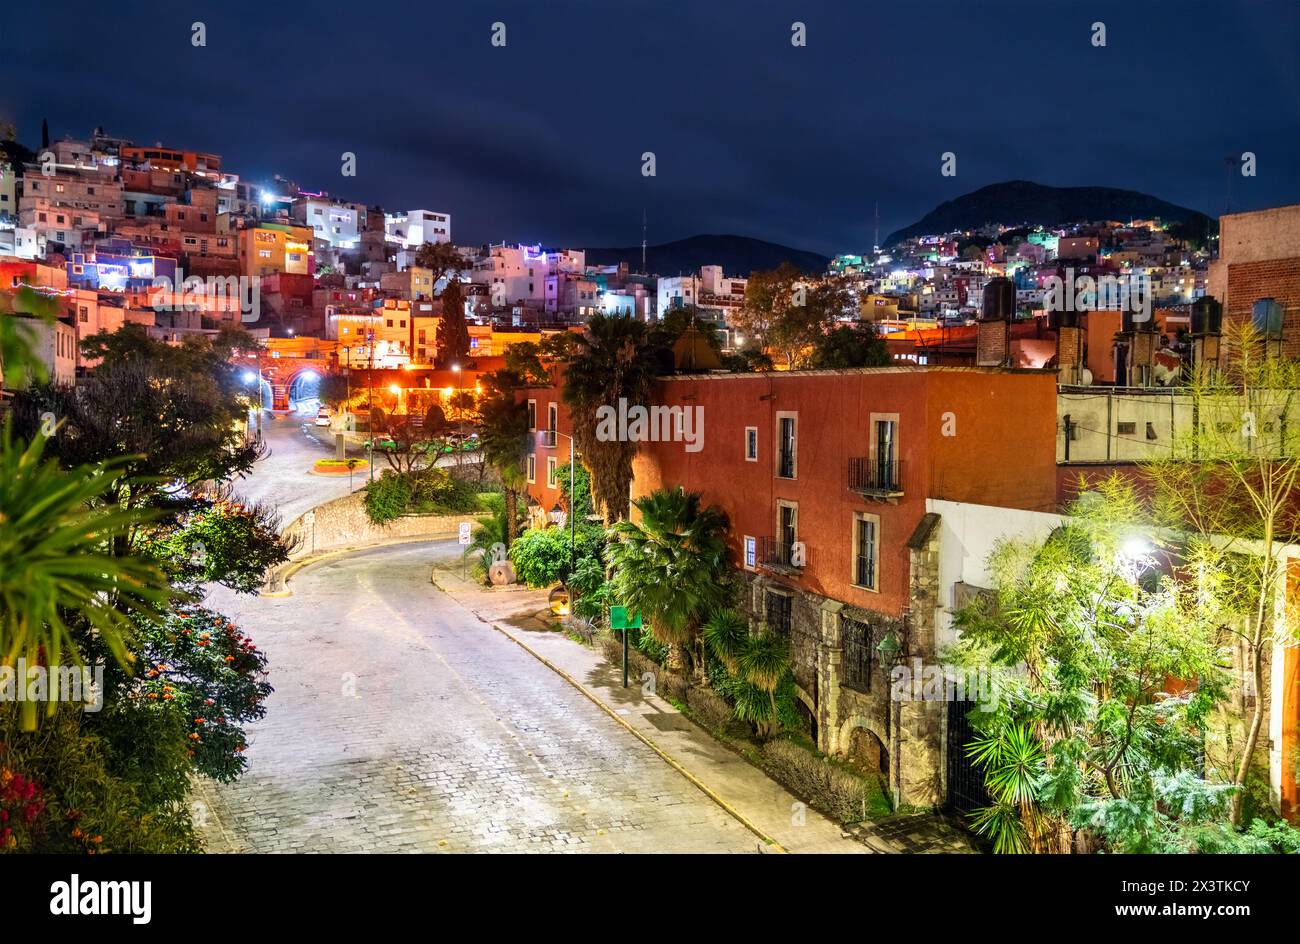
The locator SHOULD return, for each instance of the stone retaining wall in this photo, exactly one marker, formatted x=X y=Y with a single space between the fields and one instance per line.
x=342 y=524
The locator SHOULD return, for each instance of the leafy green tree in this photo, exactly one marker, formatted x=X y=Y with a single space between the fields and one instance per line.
x=1081 y=743
x=581 y=508
x=503 y=433
x=218 y=539
x=847 y=346
x=1232 y=482
x=58 y=575
x=453 y=331
x=613 y=360
x=174 y=411
x=672 y=566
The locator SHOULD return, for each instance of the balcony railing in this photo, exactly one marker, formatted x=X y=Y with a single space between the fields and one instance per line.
x=779 y=555
x=879 y=478
x=546 y=437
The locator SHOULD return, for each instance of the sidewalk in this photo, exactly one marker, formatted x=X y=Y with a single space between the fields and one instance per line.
x=759 y=802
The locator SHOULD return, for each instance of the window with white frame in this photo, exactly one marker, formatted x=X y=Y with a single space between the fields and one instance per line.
x=532 y=468
x=751 y=553
x=550 y=471
x=532 y=414
x=751 y=443
x=866 y=551
x=787 y=439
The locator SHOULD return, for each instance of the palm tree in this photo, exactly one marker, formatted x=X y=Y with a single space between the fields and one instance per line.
x=504 y=436
x=672 y=567
x=758 y=666
x=58 y=574
x=613 y=359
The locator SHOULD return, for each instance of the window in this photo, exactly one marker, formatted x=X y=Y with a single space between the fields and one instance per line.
x=786 y=441
x=532 y=414
x=532 y=468
x=550 y=471
x=856 y=644
x=779 y=608
x=83 y=314
x=751 y=553
x=751 y=443
x=787 y=530
x=552 y=416
x=866 y=551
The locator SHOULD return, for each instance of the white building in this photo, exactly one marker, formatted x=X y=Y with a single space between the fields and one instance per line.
x=338 y=224
x=711 y=292
x=413 y=228
x=514 y=274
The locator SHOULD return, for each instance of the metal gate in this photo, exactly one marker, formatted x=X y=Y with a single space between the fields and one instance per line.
x=966 y=790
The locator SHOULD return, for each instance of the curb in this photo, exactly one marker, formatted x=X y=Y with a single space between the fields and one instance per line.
x=772 y=845
x=293 y=567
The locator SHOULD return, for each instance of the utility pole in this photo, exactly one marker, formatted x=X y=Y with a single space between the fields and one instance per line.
x=370 y=400
x=644 y=271
x=876 y=244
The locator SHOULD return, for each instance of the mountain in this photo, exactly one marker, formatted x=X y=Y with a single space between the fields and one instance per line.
x=738 y=255
x=1022 y=201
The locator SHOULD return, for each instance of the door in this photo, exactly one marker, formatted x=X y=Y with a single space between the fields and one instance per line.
x=966 y=790
x=884 y=453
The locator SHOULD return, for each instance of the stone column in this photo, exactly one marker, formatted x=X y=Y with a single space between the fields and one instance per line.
x=829 y=657
x=918 y=725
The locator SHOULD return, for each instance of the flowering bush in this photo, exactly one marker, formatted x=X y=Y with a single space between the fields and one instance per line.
x=220 y=540
x=59 y=793
x=198 y=663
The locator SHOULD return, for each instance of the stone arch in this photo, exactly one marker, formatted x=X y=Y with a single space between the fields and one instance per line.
x=863 y=740
x=813 y=722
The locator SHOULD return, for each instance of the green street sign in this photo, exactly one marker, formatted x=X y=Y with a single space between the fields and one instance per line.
x=618 y=618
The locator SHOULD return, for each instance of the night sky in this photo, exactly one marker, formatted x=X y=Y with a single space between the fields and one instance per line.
x=541 y=141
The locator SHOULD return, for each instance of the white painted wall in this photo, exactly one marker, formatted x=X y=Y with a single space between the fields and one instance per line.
x=967 y=535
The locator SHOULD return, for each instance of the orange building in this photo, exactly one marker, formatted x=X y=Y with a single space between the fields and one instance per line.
x=828 y=480
x=268 y=248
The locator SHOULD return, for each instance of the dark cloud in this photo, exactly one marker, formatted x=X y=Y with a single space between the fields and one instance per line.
x=542 y=140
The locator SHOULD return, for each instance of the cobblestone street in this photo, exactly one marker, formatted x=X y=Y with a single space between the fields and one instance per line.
x=401 y=723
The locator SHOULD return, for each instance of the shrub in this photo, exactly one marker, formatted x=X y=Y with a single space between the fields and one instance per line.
x=591 y=592
x=825 y=786
x=215 y=677
x=433 y=490
x=712 y=711
x=60 y=794
x=541 y=555
x=387 y=497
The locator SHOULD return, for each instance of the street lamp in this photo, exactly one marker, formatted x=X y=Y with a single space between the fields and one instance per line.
x=455 y=369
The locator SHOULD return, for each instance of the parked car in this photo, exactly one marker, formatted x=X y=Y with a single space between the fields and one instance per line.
x=323 y=416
